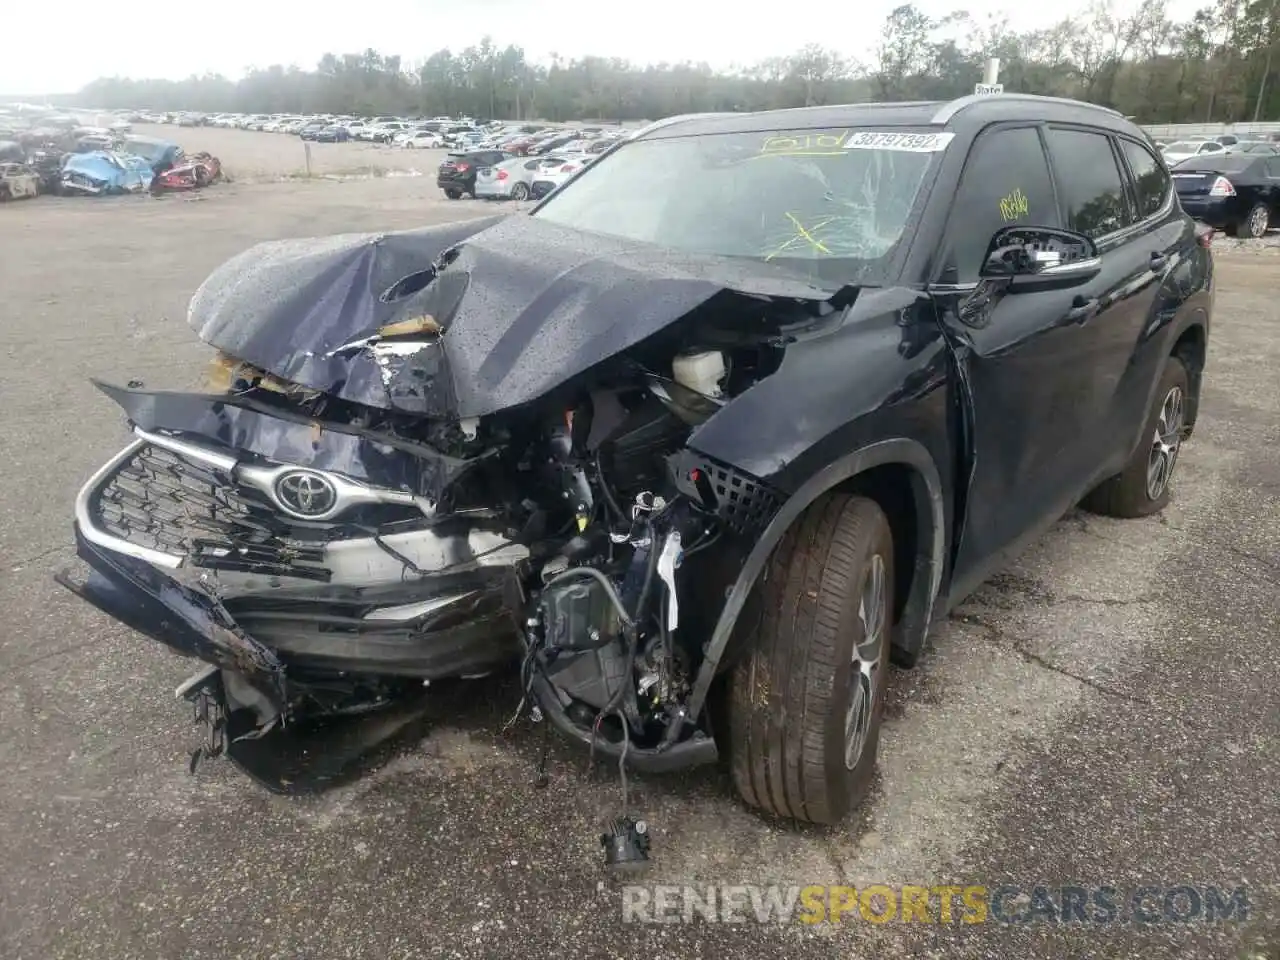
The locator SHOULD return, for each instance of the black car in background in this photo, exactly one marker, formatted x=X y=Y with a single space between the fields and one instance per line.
x=457 y=175
x=312 y=130
x=332 y=134
x=555 y=143
x=1238 y=193
x=1256 y=147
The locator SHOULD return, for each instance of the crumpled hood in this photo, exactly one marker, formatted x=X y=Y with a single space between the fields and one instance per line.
x=521 y=306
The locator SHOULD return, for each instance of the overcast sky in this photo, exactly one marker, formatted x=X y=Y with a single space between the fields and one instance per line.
x=230 y=36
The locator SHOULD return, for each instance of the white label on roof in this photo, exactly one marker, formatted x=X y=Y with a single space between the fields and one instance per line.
x=908 y=142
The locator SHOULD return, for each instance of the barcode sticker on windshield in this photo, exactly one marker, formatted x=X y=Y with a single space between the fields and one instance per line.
x=909 y=142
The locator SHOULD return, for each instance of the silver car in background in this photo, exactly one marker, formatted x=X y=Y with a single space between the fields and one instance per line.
x=513 y=179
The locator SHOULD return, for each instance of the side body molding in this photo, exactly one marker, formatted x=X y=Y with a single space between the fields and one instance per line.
x=930 y=554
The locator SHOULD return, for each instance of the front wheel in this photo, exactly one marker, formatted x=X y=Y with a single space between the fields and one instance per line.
x=806 y=702
x=1142 y=488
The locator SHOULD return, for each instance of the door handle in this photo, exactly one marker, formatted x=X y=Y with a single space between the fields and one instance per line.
x=1158 y=260
x=1082 y=309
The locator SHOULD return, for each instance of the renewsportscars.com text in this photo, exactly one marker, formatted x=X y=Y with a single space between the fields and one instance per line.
x=939 y=903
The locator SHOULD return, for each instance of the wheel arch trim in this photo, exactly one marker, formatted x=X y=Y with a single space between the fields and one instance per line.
x=930 y=547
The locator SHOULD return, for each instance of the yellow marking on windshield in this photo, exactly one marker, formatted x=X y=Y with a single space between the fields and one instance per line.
x=817 y=244
x=802 y=235
x=823 y=144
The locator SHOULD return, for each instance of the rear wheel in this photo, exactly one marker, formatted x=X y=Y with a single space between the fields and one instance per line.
x=520 y=192
x=1256 y=223
x=453 y=194
x=1142 y=488
x=806 y=701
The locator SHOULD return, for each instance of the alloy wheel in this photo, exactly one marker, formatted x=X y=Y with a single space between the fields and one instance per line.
x=874 y=614
x=1258 y=221
x=1165 y=443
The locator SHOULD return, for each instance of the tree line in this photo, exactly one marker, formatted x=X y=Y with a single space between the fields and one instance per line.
x=1218 y=65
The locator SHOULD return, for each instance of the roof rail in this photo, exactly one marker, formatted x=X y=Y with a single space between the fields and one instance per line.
x=949 y=110
x=678 y=118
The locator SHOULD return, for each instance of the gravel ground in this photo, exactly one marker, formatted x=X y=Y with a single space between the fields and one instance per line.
x=1101 y=713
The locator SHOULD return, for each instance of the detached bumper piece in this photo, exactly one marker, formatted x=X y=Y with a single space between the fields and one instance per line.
x=305 y=757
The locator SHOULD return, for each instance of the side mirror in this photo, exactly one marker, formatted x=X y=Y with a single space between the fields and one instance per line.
x=1031 y=259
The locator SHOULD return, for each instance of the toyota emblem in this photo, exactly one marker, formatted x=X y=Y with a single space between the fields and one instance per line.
x=306 y=493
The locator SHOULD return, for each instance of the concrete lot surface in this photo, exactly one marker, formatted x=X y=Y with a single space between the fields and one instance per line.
x=1104 y=712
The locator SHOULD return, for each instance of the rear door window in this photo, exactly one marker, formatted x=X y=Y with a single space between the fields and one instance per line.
x=1089 y=181
x=1150 y=182
x=1005 y=182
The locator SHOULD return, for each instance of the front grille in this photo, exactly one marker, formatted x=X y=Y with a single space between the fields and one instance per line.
x=162 y=501
x=744 y=504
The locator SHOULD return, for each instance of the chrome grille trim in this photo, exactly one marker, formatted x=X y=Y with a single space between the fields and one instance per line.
x=99 y=537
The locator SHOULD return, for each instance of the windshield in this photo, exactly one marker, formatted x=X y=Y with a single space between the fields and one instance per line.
x=833 y=203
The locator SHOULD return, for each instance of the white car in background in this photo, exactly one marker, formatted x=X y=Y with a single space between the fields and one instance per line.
x=513 y=179
x=386 y=132
x=1181 y=150
x=555 y=174
x=419 y=140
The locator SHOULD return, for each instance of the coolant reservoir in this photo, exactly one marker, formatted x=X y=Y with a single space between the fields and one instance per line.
x=700 y=371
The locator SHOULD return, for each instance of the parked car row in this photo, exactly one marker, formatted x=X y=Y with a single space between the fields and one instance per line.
x=514 y=165
x=45 y=154
x=452 y=133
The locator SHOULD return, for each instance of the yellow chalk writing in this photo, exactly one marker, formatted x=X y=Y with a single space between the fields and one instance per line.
x=1014 y=205
x=827 y=143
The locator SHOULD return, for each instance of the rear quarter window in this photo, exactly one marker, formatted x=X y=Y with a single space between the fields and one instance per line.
x=1150 y=182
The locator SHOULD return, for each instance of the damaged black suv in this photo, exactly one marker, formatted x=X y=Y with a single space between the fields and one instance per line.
x=696 y=447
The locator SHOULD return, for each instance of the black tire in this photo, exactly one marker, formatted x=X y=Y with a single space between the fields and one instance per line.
x=520 y=191
x=1256 y=222
x=790 y=695
x=1132 y=492
x=453 y=194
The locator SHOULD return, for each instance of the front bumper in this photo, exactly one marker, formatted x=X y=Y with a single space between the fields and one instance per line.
x=185 y=545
